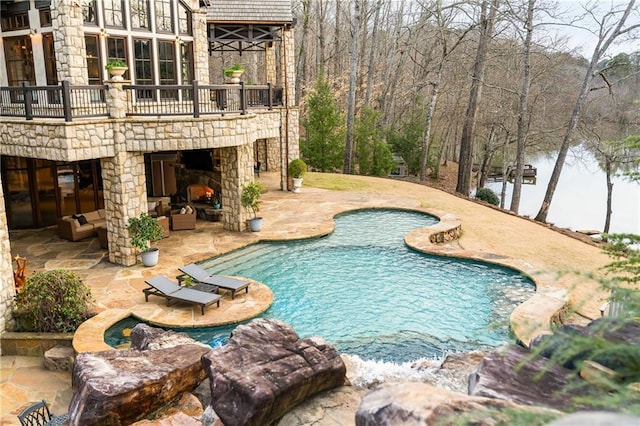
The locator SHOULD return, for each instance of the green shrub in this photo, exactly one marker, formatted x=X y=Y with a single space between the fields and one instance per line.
x=488 y=196
x=53 y=302
x=297 y=168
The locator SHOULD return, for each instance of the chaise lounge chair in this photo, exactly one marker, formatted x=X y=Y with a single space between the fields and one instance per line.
x=202 y=276
x=164 y=287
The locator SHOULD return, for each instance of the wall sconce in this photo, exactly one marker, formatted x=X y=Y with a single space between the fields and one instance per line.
x=103 y=33
x=33 y=32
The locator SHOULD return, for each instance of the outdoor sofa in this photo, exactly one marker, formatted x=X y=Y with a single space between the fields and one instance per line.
x=82 y=225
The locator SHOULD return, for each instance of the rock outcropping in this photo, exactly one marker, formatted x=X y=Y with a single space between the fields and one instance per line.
x=123 y=386
x=265 y=369
x=510 y=373
x=420 y=404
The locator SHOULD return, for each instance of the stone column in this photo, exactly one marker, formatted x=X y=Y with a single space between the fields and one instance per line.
x=200 y=47
x=237 y=170
x=124 y=180
x=7 y=286
x=270 y=59
x=125 y=196
x=68 y=41
x=117 y=98
x=289 y=114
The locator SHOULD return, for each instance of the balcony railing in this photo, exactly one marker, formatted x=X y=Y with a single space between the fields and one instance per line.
x=63 y=101
x=68 y=102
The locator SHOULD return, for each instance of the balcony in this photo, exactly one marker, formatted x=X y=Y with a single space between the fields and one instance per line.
x=70 y=102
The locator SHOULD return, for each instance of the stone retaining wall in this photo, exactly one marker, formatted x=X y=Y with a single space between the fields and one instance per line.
x=32 y=344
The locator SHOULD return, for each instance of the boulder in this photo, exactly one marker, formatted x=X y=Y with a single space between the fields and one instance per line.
x=123 y=386
x=423 y=404
x=511 y=373
x=145 y=337
x=59 y=358
x=265 y=369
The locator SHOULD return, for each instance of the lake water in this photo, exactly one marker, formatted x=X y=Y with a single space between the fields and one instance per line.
x=580 y=200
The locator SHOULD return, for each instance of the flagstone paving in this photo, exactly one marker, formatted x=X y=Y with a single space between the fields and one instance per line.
x=487 y=234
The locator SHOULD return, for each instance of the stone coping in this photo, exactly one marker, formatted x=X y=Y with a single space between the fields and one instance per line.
x=90 y=335
x=536 y=315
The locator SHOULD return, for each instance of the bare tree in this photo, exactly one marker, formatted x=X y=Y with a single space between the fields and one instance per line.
x=372 y=51
x=446 y=41
x=347 y=167
x=523 y=107
x=611 y=26
x=487 y=17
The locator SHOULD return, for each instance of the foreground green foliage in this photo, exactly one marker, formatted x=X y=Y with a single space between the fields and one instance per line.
x=500 y=417
x=53 y=302
x=623 y=357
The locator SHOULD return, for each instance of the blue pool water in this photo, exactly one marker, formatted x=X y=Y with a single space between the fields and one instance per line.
x=362 y=289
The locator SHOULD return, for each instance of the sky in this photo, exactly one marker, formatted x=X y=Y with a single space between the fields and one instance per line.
x=582 y=39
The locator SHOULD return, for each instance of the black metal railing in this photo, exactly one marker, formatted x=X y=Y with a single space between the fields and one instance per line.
x=63 y=101
x=68 y=102
x=197 y=100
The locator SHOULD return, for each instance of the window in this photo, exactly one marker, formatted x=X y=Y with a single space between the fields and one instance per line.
x=93 y=59
x=15 y=20
x=143 y=68
x=164 y=17
x=89 y=12
x=116 y=50
x=167 y=68
x=113 y=13
x=19 y=57
x=186 y=62
x=45 y=17
x=140 y=14
x=49 y=59
x=184 y=19
x=167 y=62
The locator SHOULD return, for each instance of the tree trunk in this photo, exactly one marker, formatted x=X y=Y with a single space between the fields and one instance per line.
x=523 y=110
x=302 y=54
x=601 y=47
x=337 y=63
x=435 y=89
x=466 y=143
x=607 y=220
x=372 y=51
x=347 y=167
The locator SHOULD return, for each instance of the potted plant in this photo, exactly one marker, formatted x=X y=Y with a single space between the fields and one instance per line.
x=215 y=201
x=297 y=168
x=250 y=197
x=116 y=68
x=143 y=230
x=233 y=73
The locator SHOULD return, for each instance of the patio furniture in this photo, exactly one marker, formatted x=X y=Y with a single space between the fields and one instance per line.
x=163 y=287
x=38 y=414
x=80 y=226
x=181 y=221
x=202 y=276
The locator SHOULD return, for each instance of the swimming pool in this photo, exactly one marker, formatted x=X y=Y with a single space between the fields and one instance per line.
x=362 y=289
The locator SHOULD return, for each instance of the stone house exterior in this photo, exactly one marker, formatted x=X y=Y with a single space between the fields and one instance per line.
x=73 y=139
